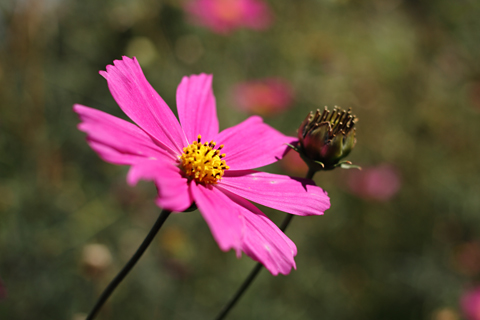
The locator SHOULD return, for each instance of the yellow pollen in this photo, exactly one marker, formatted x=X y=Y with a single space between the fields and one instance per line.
x=202 y=162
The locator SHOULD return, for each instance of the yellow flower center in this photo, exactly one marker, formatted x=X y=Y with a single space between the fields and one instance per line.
x=202 y=162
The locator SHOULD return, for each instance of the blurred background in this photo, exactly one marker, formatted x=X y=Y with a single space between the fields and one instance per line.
x=402 y=238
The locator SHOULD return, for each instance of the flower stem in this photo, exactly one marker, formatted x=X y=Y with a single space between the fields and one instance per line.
x=253 y=274
x=130 y=264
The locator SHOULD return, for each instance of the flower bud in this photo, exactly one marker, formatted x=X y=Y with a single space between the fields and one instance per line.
x=327 y=137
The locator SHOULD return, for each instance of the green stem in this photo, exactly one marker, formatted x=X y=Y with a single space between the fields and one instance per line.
x=130 y=264
x=253 y=274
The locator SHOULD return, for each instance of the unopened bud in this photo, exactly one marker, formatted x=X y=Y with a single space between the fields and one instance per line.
x=327 y=137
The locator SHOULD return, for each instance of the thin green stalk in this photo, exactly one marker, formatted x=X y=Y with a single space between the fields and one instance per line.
x=130 y=264
x=253 y=274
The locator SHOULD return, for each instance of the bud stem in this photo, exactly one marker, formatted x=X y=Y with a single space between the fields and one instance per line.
x=253 y=274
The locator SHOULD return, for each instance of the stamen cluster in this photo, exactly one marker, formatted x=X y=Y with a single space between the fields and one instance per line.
x=340 y=120
x=202 y=162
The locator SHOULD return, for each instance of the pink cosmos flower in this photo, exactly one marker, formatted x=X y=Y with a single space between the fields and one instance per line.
x=376 y=183
x=186 y=164
x=264 y=97
x=470 y=303
x=224 y=16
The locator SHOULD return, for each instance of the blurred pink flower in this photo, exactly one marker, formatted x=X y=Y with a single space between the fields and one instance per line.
x=264 y=97
x=224 y=16
x=185 y=172
x=470 y=304
x=293 y=164
x=475 y=95
x=376 y=183
x=3 y=291
x=466 y=258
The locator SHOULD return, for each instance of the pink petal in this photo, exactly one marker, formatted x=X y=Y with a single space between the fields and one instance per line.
x=142 y=104
x=263 y=241
x=116 y=140
x=293 y=195
x=236 y=223
x=222 y=215
x=112 y=155
x=172 y=187
x=252 y=144
x=196 y=106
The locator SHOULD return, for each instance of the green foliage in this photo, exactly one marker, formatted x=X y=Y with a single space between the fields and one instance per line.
x=408 y=69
